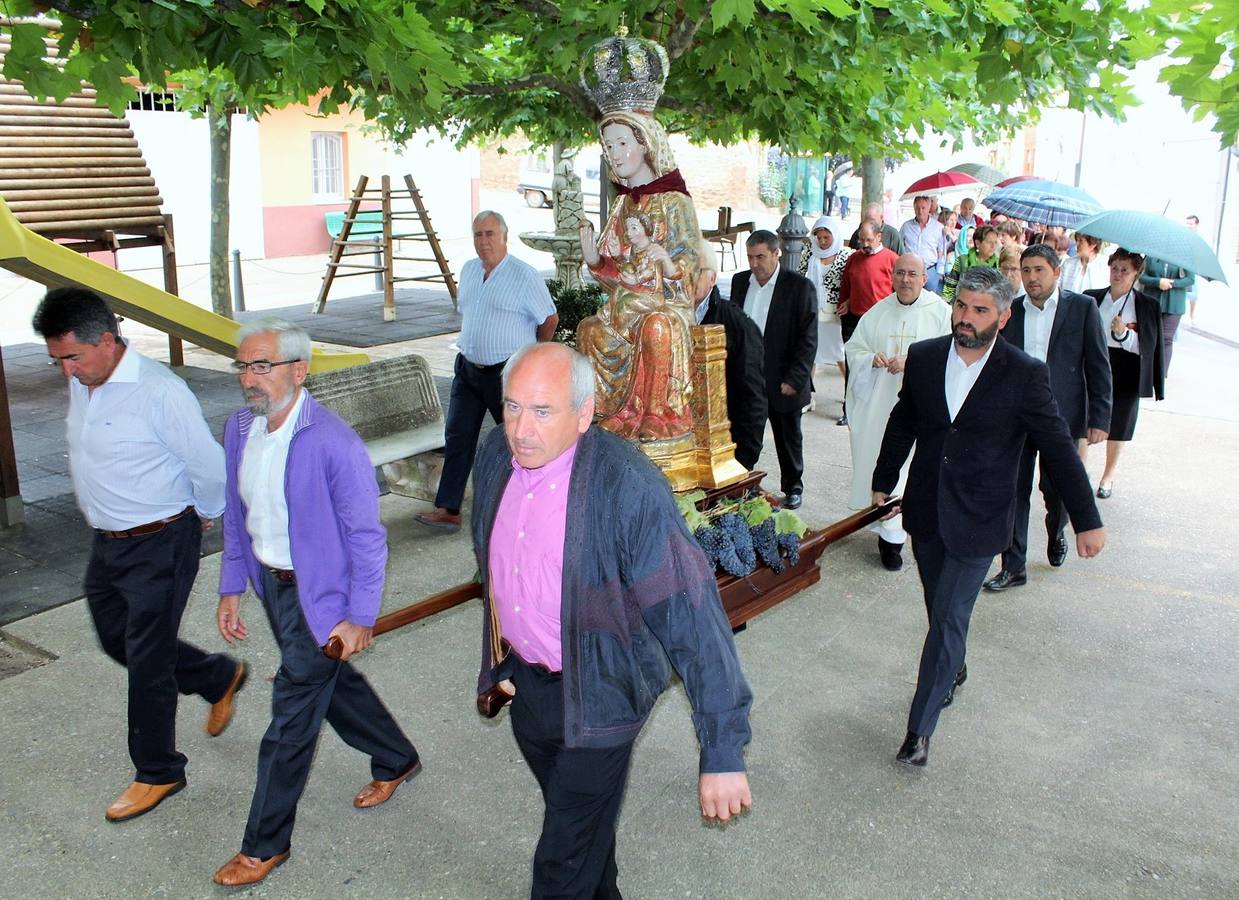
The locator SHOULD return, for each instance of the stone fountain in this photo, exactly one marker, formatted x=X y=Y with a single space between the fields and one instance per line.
x=569 y=209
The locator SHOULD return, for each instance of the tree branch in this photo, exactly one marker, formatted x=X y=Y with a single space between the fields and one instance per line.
x=526 y=82
x=683 y=35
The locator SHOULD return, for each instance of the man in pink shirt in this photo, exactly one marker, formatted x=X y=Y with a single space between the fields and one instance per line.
x=593 y=590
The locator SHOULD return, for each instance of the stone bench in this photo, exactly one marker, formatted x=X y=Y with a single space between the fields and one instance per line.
x=394 y=407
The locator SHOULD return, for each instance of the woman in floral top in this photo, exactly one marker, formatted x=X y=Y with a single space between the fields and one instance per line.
x=822 y=262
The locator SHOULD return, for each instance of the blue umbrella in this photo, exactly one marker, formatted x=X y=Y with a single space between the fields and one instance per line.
x=1043 y=202
x=1156 y=236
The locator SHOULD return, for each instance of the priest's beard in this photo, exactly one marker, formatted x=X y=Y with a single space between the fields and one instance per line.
x=970 y=339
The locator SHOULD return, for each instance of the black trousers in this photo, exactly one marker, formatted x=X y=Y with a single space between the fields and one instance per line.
x=583 y=790
x=136 y=590
x=1015 y=559
x=847 y=324
x=789 y=445
x=950 y=584
x=476 y=390
x=310 y=687
x=1170 y=330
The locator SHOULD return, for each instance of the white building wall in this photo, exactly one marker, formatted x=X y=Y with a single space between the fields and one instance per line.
x=443 y=175
x=177 y=150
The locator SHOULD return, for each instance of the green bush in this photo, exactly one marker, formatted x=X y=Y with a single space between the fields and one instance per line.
x=573 y=305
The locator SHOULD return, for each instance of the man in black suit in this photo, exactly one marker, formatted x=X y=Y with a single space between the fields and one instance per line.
x=969 y=402
x=783 y=305
x=744 y=369
x=1063 y=330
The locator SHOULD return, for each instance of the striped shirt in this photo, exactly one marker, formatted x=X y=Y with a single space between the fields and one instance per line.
x=502 y=313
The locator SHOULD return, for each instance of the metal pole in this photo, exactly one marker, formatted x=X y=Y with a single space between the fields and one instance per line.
x=238 y=286
x=378 y=262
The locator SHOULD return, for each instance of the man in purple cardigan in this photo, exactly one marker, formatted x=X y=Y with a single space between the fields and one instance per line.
x=302 y=526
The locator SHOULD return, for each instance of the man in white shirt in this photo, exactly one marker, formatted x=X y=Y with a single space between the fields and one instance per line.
x=504 y=305
x=922 y=235
x=1064 y=330
x=302 y=528
x=783 y=305
x=969 y=403
x=149 y=478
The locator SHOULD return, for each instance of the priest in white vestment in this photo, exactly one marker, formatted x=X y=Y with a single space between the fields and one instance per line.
x=876 y=354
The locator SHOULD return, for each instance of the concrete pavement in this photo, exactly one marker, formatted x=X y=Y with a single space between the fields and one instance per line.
x=1090 y=754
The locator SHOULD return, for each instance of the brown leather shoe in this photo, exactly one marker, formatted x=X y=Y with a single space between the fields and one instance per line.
x=377 y=792
x=242 y=870
x=220 y=713
x=140 y=798
x=441 y=519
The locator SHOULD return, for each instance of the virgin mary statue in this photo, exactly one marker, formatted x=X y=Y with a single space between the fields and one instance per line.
x=646 y=257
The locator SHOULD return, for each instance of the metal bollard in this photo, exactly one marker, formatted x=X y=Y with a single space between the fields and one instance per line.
x=238 y=286
x=378 y=263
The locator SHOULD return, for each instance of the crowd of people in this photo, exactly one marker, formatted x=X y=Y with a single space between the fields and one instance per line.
x=1025 y=356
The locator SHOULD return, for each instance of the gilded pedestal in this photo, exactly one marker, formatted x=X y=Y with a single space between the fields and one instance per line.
x=715 y=451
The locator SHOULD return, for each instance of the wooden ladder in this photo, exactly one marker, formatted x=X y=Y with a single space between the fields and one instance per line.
x=345 y=246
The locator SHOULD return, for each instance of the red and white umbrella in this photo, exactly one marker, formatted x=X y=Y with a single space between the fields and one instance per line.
x=940 y=183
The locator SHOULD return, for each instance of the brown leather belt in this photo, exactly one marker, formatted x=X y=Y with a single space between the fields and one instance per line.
x=283 y=576
x=148 y=528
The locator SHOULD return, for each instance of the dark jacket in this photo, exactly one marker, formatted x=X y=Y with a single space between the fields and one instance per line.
x=744 y=375
x=891 y=238
x=637 y=590
x=961 y=485
x=1078 y=360
x=790 y=336
x=1152 y=346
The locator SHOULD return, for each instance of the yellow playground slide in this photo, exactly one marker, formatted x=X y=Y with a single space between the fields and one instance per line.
x=35 y=257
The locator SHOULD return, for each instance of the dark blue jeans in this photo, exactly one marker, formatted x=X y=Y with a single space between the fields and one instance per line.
x=310 y=687
x=476 y=390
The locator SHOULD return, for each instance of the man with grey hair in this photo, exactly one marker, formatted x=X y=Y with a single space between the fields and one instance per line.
x=302 y=528
x=504 y=305
x=149 y=477
x=922 y=235
x=744 y=369
x=969 y=403
x=783 y=305
x=593 y=589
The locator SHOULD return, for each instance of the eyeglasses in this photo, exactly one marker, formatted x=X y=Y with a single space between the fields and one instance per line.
x=260 y=366
x=907 y=273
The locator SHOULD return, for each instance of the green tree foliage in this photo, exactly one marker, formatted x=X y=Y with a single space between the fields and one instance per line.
x=868 y=78
x=1204 y=53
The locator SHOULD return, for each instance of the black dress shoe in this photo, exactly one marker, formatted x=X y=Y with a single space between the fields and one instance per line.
x=962 y=675
x=792 y=501
x=949 y=698
x=1104 y=492
x=1004 y=580
x=1057 y=551
x=914 y=751
x=892 y=555
x=842 y=420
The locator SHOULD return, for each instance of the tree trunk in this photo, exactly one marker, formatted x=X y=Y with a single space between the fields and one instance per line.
x=219 y=122
x=873 y=173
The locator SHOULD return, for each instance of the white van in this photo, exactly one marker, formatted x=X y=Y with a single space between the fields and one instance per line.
x=537 y=173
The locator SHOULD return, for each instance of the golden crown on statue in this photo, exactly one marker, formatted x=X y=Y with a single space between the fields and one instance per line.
x=628 y=73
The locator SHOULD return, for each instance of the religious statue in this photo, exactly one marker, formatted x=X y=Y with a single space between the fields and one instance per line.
x=646 y=257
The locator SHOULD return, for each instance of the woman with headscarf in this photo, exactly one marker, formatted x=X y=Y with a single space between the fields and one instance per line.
x=1137 y=365
x=822 y=261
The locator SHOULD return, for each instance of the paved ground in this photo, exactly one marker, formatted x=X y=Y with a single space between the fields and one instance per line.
x=1091 y=753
